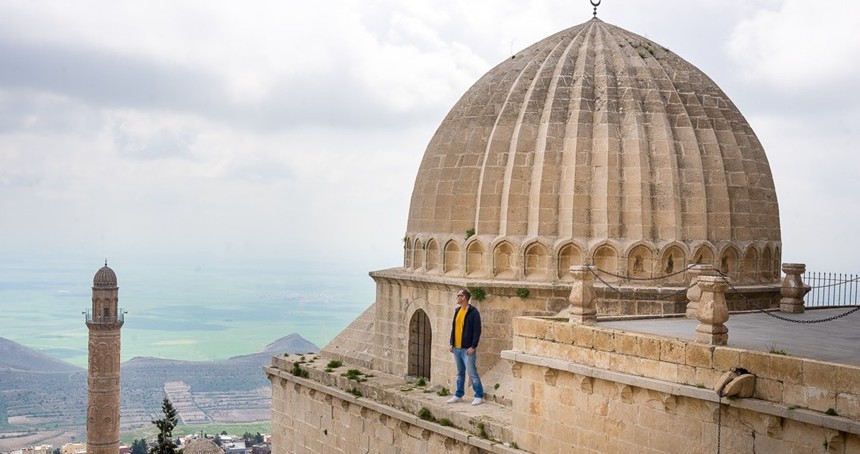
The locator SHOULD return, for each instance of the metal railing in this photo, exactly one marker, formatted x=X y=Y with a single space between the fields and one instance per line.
x=90 y=318
x=831 y=289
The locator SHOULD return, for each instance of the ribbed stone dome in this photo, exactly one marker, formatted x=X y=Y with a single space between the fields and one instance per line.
x=594 y=145
x=105 y=277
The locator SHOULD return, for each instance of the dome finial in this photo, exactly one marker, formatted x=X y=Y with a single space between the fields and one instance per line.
x=595 y=5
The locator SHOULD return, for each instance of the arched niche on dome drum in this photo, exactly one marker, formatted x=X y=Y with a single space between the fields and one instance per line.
x=640 y=262
x=504 y=261
x=433 y=263
x=729 y=263
x=766 y=265
x=418 y=255
x=606 y=258
x=451 y=259
x=672 y=260
x=475 y=259
x=407 y=253
x=569 y=255
x=749 y=268
x=536 y=261
x=704 y=255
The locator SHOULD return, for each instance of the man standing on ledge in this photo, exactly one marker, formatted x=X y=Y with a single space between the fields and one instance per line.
x=465 y=334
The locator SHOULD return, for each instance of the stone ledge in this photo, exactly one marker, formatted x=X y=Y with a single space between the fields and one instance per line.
x=761 y=406
x=379 y=396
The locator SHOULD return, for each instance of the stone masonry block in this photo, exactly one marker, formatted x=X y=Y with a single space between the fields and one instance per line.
x=625 y=364
x=673 y=351
x=627 y=344
x=699 y=355
x=726 y=359
x=768 y=389
x=784 y=368
x=848 y=406
x=794 y=395
x=707 y=377
x=602 y=359
x=583 y=356
x=604 y=340
x=819 y=375
x=649 y=347
x=755 y=362
x=667 y=372
x=564 y=333
x=649 y=368
x=527 y=327
x=583 y=336
x=687 y=375
x=848 y=380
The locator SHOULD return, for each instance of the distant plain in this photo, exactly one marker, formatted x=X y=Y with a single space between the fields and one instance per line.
x=192 y=308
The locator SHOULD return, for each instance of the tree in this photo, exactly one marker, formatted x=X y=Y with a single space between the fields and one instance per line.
x=139 y=446
x=165 y=444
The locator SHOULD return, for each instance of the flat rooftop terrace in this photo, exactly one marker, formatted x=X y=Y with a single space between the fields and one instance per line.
x=836 y=341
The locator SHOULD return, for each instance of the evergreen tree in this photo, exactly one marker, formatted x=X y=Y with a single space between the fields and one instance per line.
x=139 y=446
x=165 y=443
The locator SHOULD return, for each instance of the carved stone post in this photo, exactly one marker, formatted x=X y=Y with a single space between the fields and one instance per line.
x=694 y=293
x=582 y=296
x=792 y=290
x=713 y=312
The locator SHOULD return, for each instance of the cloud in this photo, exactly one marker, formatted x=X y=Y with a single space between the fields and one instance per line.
x=796 y=46
x=296 y=130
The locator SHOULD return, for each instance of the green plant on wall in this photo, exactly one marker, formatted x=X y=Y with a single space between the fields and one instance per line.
x=523 y=292
x=478 y=293
x=469 y=233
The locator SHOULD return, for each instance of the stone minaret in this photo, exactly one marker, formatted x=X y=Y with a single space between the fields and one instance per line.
x=104 y=322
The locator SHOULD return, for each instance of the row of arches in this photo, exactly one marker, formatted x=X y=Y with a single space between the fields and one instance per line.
x=751 y=263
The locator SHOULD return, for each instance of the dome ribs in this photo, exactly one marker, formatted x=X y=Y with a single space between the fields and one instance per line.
x=574 y=198
x=545 y=172
x=667 y=167
x=498 y=180
x=636 y=203
x=606 y=146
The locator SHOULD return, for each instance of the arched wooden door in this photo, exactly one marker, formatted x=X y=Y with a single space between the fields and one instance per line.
x=420 y=340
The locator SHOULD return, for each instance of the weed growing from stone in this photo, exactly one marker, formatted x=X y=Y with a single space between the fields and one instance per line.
x=298 y=371
x=425 y=414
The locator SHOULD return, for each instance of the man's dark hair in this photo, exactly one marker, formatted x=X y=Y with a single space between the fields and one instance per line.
x=467 y=294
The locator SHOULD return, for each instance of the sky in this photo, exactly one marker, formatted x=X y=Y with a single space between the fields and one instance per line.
x=293 y=131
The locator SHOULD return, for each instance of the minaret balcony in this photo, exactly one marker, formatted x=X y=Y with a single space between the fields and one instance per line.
x=105 y=319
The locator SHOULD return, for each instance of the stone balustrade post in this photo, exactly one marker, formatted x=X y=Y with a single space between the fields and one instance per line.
x=582 y=296
x=792 y=289
x=713 y=311
x=693 y=292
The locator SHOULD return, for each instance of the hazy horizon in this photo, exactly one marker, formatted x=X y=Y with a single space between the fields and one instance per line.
x=198 y=311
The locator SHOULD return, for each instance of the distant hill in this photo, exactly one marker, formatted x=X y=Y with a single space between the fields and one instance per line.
x=16 y=357
x=36 y=387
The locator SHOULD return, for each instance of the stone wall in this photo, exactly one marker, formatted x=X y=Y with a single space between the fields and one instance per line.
x=399 y=296
x=602 y=390
x=314 y=414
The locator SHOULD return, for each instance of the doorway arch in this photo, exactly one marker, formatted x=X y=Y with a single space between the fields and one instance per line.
x=420 y=340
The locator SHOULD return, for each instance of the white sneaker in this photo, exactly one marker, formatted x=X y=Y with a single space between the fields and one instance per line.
x=454 y=399
x=477 y=401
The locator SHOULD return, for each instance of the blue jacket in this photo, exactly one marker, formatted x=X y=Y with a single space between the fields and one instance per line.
x=471 y=327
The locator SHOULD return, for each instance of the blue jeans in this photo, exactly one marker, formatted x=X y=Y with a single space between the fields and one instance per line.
x=466 y=364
